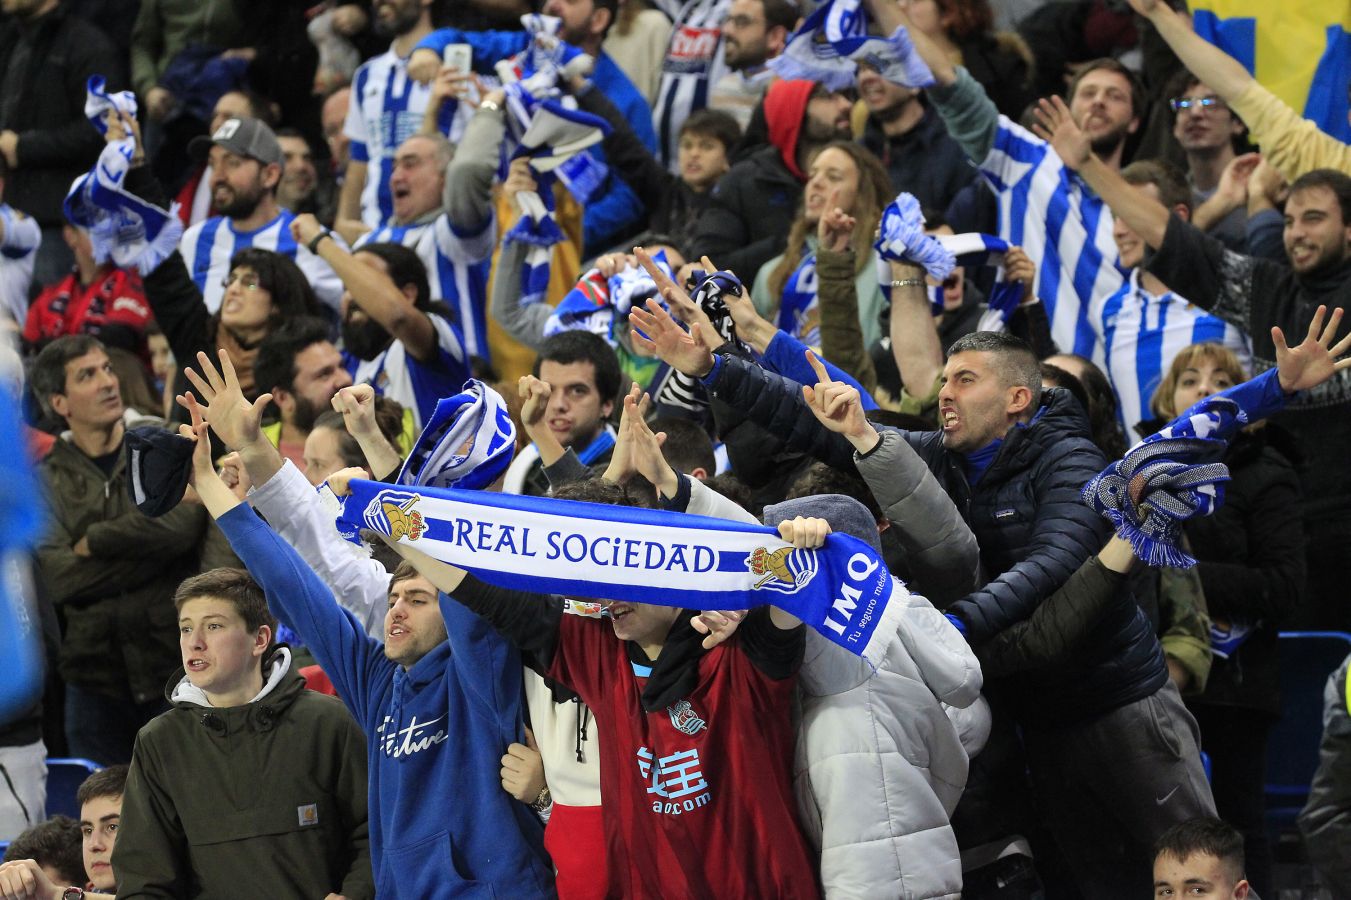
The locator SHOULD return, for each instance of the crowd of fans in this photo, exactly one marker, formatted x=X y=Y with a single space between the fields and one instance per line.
x=611 y=252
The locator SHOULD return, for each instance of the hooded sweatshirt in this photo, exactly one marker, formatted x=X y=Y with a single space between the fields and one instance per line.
x=285 y=811
x=436 y=732
x=785 y=109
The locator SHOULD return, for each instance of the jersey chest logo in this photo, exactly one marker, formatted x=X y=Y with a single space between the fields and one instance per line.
x=685 y=719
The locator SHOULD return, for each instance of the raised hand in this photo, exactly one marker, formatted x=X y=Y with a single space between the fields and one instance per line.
x=357 y=405
x=520 y=180
x=1234 y=180
x=423 y=65
x=1267 y=182
x=718 y=625
x=681 y=304
x=231 y=416
x=1315 y=360
x=1018 y=266
x=1057 y=127
x=340 y=482
x=304 y=228
x=645 y=447
x=804 y=533
x=835 y=229
x=235 y=475
x=685 y=352
x=536 y=395
x=838 y=407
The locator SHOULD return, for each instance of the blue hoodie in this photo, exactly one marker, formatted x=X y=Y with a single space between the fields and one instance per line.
x=440 y=823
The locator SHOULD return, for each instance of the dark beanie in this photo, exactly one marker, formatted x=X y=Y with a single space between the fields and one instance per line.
x=160 y=464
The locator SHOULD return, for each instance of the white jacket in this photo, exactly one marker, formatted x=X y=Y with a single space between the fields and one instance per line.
x=879 y=765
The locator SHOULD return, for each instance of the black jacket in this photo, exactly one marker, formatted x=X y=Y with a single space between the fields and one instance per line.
x=1250 y=555
x=925 y=161
x=43 y=100
x=747 y=221
x=1032 y=527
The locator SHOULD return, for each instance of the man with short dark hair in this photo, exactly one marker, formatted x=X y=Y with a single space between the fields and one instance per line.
x=1200 y=858
x=580 y=377
x=287 y=814
x=687 y=447
x=303 y=189
x=100 y=799
x=246 y=170
x=1207 y=130
x=753 y=33
x=54 y=845
x=111 y=568
x=300 y=367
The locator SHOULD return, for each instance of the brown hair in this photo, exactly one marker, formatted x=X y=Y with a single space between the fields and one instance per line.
x=969 y=17
x=236 y=587
x=1216 y=354
x=402 y=572
x=109 y=782
x=874 y=193
x=1112 y=65
x=1167 y=180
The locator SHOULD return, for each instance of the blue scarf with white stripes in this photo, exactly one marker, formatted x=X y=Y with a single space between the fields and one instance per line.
x=587 y=550
x=834 y=39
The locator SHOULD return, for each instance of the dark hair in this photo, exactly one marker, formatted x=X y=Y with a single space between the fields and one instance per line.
x=1204 y=835
x=290 y=132
x=260 y=106
x=1337 y=182
x=737 y=491
x=820 y=478
x=1167 y=180
x=402 y=572
x=594 y=490
x=969 y=17
x=1113 y=65
x=613 y=7
x=1094 y=393
x=1018 y=364
x=688 y=446
x=1183 y=81
x=57 y=843
x=716 y=124
x=48 y=375
x=388 y=418
x=236 y=587
x=569 y=347
x=781 y=14
x=291 y=292
x=405 y=268
x=275 y=365
x=109 y=782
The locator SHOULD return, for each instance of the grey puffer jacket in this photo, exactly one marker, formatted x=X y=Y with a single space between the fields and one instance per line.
x=1326 y=819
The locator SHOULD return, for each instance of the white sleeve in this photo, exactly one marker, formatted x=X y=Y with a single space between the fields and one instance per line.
x=294 y=510
x=18 y=255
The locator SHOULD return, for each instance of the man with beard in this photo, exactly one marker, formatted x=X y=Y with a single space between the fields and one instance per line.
x=1255 y=295
x=753 y=33
x=246 y=169
x=908 y=136
x=299 y=366
x=391 y=338
x=386 y=106
x=747 y=221
x=1044 y=208
x=302 y=188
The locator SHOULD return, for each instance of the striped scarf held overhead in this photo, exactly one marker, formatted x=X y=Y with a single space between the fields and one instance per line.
x=122 y=227
x=834 y=39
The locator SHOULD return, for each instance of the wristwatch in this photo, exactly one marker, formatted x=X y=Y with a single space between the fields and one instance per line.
x=490 y=104
x=72 y=893
x=314 y=241
x=543 y=800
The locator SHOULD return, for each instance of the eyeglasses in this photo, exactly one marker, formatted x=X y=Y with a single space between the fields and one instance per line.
x=248 y=282
x=1206 y=104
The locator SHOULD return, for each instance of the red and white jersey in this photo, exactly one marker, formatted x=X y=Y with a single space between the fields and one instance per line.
x=698 y=796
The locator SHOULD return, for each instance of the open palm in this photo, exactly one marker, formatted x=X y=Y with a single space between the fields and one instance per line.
x=1315 y=360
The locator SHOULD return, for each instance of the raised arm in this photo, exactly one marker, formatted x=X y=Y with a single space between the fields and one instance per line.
x=1145 y=215
x=914 y=334
x=1212 y=66
x=469 y=178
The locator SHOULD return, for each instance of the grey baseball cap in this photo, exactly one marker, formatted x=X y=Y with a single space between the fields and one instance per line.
x=243 y=137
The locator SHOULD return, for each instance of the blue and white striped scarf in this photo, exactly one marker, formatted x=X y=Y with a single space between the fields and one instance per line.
x=587 y=550
x=1166 y=479
x=468 y=443
x=834 y=39
x=122 y=227
x=597 y=303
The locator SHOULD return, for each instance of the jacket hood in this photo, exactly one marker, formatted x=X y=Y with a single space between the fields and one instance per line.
x=131 y=418
x=785 y=108
x=280 y=686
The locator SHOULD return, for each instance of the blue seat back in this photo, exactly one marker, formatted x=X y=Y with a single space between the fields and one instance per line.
x=64 y=777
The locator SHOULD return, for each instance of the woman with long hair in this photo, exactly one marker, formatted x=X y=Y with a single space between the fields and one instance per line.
x=1251 y=560
x=847 y=189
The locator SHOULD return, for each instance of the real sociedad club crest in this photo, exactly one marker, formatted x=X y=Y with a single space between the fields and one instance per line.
x=392 y=514
x=684 y=718
x=785 y=570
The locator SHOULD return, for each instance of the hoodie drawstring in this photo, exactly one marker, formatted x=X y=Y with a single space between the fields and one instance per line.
x=582 y=719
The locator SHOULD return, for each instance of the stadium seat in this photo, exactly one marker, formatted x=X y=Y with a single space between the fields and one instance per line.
x=64 y=777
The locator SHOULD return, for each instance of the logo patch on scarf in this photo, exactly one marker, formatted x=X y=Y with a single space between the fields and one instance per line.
x=392 y=514
x=785 y=570
x=685 y=719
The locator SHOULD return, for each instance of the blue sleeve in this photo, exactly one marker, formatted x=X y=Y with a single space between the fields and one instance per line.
x=1260 y=397
x=786 y=356
x=620 y=90
x=488 y=666
x=353 y=661
x=490 y=47
x=610 y=214
x=1266 y=236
